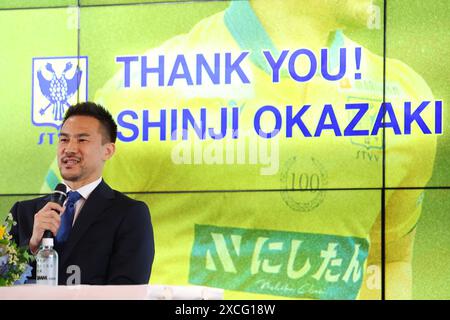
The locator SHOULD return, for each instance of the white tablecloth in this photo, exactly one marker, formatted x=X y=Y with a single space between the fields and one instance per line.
x=86 y=292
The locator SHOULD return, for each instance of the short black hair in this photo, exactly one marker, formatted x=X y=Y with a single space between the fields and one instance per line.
x=98 y=112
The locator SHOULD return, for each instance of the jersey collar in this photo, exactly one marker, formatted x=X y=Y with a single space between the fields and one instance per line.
x=248 y=32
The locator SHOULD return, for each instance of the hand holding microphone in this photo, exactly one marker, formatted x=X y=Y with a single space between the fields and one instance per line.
x=47 y=220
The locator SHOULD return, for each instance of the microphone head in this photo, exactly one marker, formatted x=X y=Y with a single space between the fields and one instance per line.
x=61 y=188
x=59 y=195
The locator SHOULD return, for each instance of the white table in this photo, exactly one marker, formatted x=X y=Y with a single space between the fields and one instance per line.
x=133 y=292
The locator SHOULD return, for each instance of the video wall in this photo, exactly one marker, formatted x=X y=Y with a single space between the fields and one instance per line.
x=287 y=149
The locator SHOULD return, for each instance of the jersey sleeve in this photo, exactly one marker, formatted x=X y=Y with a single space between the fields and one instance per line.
x=409 y=158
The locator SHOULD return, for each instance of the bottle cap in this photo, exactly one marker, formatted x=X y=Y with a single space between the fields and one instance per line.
x=47 y=242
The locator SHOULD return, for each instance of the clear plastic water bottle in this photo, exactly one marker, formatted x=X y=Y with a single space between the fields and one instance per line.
x=47 y=264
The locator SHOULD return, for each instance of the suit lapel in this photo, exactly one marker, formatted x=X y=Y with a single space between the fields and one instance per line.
x=41 y=203
x=95 y=205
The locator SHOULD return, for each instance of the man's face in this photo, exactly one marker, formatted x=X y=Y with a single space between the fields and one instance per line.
x=352 y=12
x=81 y=153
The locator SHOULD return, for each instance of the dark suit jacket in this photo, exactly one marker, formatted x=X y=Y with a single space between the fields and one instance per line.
x=111 y=240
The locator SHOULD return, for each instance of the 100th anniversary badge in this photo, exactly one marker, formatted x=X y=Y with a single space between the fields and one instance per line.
x=301 y=181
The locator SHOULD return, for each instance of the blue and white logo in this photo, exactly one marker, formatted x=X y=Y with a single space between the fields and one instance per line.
x=58 y=82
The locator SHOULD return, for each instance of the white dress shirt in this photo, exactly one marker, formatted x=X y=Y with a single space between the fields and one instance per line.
x=84 y=191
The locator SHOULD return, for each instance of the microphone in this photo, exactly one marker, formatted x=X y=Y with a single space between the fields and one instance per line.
x=58 y=196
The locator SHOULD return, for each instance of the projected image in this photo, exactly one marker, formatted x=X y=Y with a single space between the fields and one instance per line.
x=283 y=153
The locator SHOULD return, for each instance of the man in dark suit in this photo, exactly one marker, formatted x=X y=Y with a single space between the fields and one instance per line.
x=105 y=235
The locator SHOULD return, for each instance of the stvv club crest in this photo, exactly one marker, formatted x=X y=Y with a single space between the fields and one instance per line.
x=58 y=82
